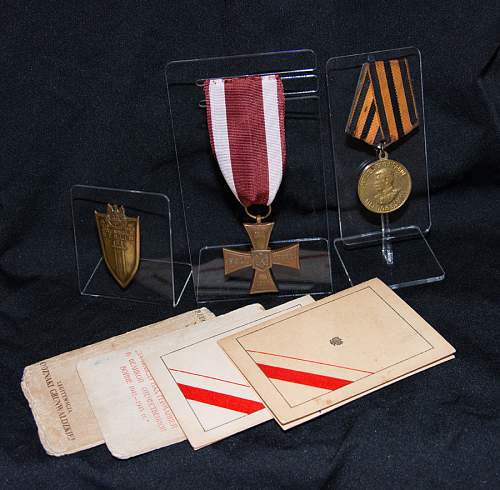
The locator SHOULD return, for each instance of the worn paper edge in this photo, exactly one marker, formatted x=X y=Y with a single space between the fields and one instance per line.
x=203 y=314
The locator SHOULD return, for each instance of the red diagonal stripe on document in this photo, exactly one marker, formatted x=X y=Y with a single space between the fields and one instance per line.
x=303 y=378
x=223 y=400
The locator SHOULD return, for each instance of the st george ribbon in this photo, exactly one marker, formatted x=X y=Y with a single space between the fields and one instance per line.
x=246 y=123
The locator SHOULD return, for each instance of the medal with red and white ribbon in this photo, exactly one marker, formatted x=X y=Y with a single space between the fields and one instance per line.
x=246 y=122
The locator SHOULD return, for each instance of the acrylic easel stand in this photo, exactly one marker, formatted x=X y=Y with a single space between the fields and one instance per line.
x=390 y=246
x=214 y=218
x=160 y=278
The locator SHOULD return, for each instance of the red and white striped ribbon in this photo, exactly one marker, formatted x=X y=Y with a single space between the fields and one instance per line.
x=246 y=117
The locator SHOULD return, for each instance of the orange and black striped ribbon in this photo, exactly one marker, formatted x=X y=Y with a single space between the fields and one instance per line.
x=384 y=109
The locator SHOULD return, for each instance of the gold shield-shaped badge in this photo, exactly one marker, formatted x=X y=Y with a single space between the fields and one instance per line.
x=120 y=243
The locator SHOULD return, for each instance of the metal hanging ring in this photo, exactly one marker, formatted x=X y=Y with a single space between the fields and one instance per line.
x=381 y=153
x=258 y=217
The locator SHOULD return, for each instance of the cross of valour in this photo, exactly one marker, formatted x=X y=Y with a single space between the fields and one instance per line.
x=261 y=258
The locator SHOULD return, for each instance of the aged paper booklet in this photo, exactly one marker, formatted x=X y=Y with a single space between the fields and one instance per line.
x=315 y=359
x=57 y=398
x=209 y=397
x=134 y=416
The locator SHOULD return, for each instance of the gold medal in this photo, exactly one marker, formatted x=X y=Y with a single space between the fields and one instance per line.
x=383 y=111
x=384 y=185
x=120 y=243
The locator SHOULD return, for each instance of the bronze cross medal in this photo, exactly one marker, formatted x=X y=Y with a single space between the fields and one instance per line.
x=261 y=258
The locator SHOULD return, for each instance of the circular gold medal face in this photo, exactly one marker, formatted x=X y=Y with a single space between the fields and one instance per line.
x=384 y=186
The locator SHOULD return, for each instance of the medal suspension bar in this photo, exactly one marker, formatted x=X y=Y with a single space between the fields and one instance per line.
x=309 y=90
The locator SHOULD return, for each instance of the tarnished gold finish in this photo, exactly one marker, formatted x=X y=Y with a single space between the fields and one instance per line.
x=261 y=258
x=120 y=243
x=384 y=185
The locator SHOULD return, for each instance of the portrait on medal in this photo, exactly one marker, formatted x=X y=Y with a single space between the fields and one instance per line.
x=384 y=186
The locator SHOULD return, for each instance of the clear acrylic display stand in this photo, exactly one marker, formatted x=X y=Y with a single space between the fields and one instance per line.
x=159 y=279
x=214 y=218
x=390 y=246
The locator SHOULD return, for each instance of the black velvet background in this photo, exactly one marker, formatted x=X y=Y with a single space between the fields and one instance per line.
x=83 y=101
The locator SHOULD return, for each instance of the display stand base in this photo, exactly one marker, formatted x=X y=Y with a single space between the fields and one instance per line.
x=153 y=282
x=400 y=258
x=313 y=277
